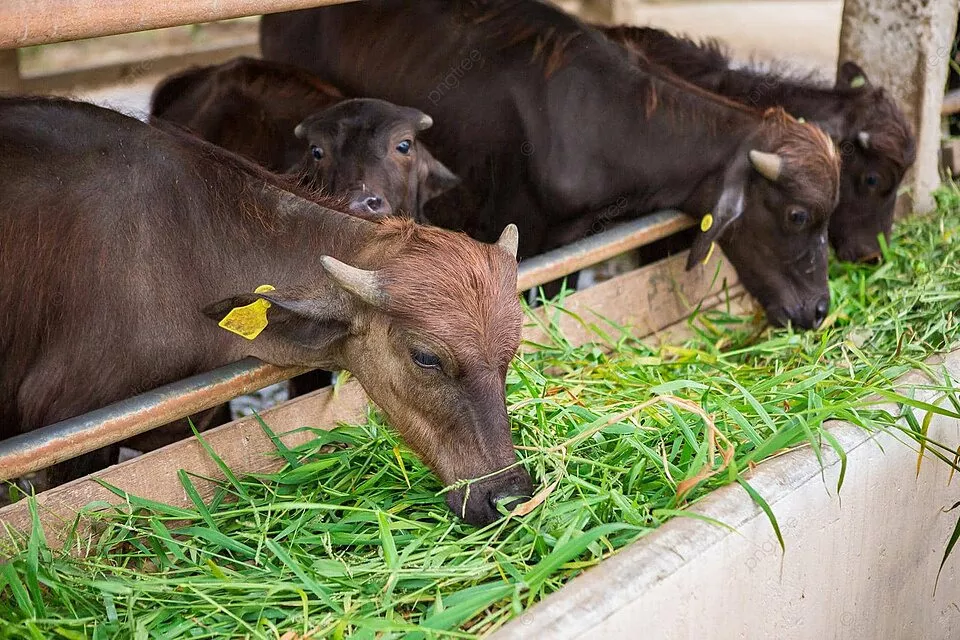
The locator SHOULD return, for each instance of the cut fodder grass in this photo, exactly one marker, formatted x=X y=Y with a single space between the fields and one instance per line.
x=352 y=537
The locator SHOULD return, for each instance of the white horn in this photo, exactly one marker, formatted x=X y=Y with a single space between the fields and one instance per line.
x=509 y=240
x=864 y=139
x=425 y=122
x=360 y=282
x=299 y=132
x=767 y=164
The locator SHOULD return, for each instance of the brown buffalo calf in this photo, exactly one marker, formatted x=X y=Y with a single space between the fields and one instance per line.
x=248 y=106
x=124 y=250
x=876 y=142
x=367 y=152
x=289 y=120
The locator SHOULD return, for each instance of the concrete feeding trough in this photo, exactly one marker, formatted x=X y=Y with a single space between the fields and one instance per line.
x=861 y=563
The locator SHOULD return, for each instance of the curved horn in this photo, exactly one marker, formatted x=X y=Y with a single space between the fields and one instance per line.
x=864 y=139
x=767 y=164
x=299 y=132
x=509 y=240
x=360 y=282
x=425 y=122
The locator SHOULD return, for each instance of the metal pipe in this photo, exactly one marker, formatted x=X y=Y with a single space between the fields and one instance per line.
x=29 y=22
x=70 y=438
x=581 y=254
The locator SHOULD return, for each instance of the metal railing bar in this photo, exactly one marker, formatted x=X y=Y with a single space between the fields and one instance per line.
x=29 y=22
x=70 y=438
x=591 y=250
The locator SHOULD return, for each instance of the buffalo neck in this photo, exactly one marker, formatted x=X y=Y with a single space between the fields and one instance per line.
x=800 y=99
x=683 y=140
x=278 y=237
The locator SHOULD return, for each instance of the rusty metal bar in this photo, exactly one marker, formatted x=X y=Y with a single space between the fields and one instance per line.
x=589 y=251
x=29 y=22
x=70 y=438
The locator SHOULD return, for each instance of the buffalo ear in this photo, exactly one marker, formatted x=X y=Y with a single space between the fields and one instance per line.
x=851 y=76
x=729 y=207
x=434 y=177
x=311 y=321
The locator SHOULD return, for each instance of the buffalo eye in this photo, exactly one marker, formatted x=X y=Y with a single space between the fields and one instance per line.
x=425 y=359
x=316 y=151
x=798 y=217
x=404 y=146
x=871 y=180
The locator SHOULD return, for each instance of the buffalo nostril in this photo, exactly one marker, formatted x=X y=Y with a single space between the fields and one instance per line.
x=373 y=203
x=506 y=502
x=820 y=312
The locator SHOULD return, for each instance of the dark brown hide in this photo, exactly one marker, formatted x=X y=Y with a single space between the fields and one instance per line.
x=876 y=143
x=553 y=128
x=247 y=106
x=345 y=147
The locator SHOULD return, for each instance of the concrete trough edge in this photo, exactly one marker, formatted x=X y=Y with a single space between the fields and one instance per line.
x=583 y=605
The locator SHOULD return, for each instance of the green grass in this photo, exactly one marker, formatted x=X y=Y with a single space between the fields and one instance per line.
x=353 y=538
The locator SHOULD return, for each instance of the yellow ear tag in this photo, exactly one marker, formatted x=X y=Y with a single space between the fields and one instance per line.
x=249 y=320
x=801 y=120
x=706 y=222
x=857 y=82
x=713 y=245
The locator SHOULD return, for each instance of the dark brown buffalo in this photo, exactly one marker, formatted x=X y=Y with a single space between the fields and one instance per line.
x=553 y=128
x=368 y=152
x=876 y=142
x=289 y=120
x=124 y=248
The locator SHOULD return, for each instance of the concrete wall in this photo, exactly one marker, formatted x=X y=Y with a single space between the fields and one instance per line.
x=860 y=565
x=804 y=32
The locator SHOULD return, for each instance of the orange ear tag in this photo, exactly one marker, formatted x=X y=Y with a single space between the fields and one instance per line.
x=249 y=320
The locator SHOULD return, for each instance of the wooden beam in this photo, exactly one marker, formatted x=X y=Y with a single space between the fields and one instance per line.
x=30 y=22
x=9 y=70
x=950 y=156
x=951 y=103
x=131 y=71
